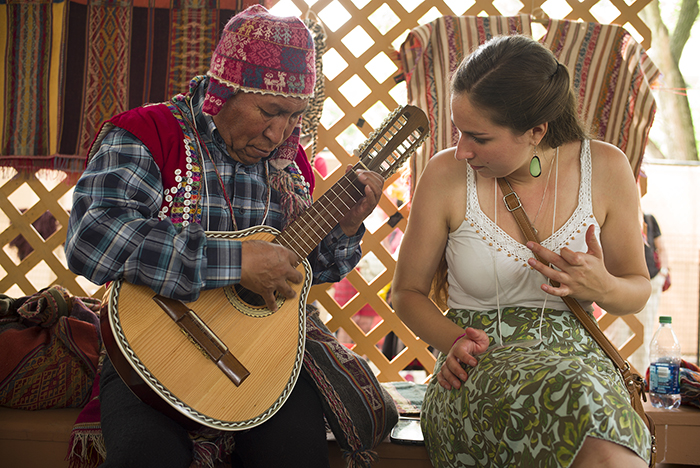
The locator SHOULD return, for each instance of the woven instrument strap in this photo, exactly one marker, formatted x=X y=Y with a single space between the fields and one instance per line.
x=633 y=382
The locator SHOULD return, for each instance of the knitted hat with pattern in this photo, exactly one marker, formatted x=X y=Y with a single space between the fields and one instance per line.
x=261 y=53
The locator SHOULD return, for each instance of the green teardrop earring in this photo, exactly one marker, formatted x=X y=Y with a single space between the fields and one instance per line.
x=535 y=164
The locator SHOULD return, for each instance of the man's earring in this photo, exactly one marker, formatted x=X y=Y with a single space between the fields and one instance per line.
x=535 y=165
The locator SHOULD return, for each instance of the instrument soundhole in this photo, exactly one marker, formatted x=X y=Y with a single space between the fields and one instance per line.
x=250 y=303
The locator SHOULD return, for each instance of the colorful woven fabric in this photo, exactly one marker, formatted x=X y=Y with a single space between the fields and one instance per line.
x=106 y=66
x=68 y=65
x=611 y=76
x=358 y=409
x=50 y=346
x=690 y=384
x=193 y=35
x=86 y=445
x=261 y=53
x=28 y=76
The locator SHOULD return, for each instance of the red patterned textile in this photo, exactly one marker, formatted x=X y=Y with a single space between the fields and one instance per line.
x=253 y=56
x=50 y=348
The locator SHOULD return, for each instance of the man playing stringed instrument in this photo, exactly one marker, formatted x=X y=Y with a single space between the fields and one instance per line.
x=223 y=157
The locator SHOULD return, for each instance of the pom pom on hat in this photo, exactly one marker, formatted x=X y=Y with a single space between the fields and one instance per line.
x=261 y=53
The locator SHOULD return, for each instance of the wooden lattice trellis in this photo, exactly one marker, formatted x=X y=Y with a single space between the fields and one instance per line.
x=348 y=118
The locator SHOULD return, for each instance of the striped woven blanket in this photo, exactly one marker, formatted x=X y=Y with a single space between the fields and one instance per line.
x=612 y=76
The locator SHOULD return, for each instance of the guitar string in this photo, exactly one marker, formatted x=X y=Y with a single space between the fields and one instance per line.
x=402 y=148
x=393 y=130
x=315 y=208
x=310 y=247
x=328 y=212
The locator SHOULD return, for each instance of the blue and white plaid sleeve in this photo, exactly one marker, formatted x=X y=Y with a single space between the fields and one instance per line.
x=336 y=256
x=114 y=230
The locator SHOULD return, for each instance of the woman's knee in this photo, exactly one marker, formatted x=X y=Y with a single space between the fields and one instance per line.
x=604 y=454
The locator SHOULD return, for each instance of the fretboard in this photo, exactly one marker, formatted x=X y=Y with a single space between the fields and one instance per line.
x=308 y=230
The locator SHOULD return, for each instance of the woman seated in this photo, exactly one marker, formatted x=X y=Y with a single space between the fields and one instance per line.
x=519 y=382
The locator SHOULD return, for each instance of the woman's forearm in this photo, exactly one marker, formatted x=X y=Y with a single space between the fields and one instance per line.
x=424 y=318
x=626 y=295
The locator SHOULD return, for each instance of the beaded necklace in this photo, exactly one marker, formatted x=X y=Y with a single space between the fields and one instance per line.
x=200 y=152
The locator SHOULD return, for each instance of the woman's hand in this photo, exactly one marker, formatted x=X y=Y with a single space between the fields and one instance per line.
x=580 y=275
x=473 y=343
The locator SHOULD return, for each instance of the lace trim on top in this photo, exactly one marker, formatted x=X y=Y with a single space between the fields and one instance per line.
x=576 y=224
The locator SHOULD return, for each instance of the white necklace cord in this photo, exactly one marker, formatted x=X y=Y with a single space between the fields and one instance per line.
x=206 y=194
x=544 y=194
x=206 y=188
x=525 y=343
x=269 y=190
x=554 y=217
x=495 y=268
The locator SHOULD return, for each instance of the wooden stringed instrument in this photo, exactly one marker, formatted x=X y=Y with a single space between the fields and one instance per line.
x=226 y=361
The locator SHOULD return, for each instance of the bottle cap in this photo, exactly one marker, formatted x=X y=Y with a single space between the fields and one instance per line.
x=665 y=319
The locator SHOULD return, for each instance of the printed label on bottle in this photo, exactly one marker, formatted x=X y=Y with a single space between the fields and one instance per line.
x=663 y=378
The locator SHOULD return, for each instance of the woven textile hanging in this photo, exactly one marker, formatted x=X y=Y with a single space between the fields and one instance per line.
x=68 y=65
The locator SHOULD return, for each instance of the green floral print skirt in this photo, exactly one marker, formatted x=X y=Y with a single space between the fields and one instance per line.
x=529 y=406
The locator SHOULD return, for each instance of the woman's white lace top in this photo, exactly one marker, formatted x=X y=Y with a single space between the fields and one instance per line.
x=471 y=249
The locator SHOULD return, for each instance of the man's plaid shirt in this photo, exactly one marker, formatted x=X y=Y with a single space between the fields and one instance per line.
x=114 y=229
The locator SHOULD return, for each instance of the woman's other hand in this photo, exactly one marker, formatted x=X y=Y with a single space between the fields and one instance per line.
x=464 y=350
x=579 y=274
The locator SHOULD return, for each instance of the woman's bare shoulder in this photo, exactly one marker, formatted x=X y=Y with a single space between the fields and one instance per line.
x=613 y=183
x=440 y=188
x=607 y=156
x=443 y=165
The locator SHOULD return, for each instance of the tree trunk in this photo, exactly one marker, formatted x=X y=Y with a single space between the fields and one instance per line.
x=673 y=108
x=684 y=25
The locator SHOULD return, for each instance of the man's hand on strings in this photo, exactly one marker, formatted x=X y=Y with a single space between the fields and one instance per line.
x=267 y=268
x=373 y=186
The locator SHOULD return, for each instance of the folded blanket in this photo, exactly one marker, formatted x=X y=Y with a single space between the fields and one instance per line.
x=408 y=396
x=50 y=346
x=690 y=384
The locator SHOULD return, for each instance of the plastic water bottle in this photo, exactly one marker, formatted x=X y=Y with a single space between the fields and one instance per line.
x=664 y=370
